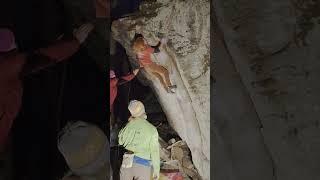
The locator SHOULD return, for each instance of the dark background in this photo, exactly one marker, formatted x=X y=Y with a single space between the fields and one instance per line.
x=76 y=89
x=73 y=90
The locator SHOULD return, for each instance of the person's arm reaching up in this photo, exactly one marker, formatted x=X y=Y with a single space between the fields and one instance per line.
x=57 y=52
x=129 y=77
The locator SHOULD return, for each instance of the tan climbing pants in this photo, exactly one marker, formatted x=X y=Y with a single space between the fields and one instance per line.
x=136 y=172
x=160 y=72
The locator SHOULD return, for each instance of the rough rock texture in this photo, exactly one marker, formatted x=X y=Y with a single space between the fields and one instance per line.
x=187 y=57
x=239 y=149
x=176 y=156
x=272 y=48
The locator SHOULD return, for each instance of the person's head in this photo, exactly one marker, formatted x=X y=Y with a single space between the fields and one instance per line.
x=112 y=74
x=85 y=147
x=7 y=40
x=139 y=45
x=137 y=109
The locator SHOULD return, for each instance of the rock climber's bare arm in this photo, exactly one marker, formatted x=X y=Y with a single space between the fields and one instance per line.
x=45 y=57
x=59 y=51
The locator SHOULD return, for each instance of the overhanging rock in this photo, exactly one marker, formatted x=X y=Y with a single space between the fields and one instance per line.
x=186 y=25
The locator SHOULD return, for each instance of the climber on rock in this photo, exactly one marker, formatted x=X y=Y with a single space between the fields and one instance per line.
x=140 y=139
x=114 y=83
x=144 y=52
x=15 y=65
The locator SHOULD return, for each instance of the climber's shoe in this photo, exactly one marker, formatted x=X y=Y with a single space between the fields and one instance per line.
x=172 y=88
x=168 y=90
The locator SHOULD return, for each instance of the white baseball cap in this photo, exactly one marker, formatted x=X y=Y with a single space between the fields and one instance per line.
x=136 y=108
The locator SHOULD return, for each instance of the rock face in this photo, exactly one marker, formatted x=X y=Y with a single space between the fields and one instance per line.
x=187 y=57
x=271 y=54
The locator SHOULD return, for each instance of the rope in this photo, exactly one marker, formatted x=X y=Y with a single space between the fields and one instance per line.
x=129 y=92
x=60 y=96
x=128 y=98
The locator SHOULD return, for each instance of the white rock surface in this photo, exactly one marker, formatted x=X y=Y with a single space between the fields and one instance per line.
x=187 y=57
x=274 y=47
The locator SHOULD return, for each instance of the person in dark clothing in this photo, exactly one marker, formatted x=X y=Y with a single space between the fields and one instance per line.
x=15 y=65
x=102 y=8
x=123 y=7
x=114 y=82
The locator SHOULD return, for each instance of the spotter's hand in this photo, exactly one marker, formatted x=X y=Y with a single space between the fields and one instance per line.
x=135 y=72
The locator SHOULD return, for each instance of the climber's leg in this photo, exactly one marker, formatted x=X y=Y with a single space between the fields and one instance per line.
x=152 y=72
x=161 y=80
x=163 y=72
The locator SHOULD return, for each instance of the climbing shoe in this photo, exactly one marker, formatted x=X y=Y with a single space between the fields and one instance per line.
x=172 y=88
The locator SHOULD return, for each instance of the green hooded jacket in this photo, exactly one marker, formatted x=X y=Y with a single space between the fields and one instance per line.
x=141 y=137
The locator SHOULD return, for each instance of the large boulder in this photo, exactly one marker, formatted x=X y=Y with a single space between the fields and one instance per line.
x=187 y=57
x=273 y=47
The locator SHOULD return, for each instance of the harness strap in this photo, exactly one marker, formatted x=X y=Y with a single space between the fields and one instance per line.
x=141 y=161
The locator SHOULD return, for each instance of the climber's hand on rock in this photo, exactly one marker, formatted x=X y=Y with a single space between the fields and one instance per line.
x=82 y=32
x=135 y=72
